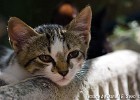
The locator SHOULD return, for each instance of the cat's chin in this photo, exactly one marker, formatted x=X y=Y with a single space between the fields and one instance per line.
x=63 y=82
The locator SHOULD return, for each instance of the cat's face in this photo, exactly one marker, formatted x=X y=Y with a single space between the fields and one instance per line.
x=52 y=51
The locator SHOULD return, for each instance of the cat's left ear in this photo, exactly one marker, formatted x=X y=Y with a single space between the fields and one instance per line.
x=19 y=33
x=82 y=24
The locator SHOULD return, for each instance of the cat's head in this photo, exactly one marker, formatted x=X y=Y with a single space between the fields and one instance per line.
x=53 y=51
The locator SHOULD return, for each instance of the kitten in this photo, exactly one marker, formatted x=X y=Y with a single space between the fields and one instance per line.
x=52 y=51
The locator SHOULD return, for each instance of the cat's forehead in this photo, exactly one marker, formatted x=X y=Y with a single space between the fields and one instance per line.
x=57 y=34
x=52 y=30
x=54 y=35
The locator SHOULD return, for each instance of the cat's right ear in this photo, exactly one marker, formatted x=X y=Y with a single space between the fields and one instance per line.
x=19 y=33
x=81 y=24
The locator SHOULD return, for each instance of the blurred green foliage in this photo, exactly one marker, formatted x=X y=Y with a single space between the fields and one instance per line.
x=126 y=38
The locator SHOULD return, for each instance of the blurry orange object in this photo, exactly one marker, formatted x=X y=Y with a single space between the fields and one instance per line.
x=67 y=9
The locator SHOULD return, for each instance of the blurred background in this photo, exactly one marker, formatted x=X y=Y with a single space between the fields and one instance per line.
x=115 y=23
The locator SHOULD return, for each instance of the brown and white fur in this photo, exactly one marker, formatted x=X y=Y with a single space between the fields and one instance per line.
x=53 y=51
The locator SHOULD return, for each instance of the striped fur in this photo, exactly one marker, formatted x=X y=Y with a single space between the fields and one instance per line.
x=52 y=51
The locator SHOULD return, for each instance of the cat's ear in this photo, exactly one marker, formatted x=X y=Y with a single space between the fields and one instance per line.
x=82 y=24
x=19 y=33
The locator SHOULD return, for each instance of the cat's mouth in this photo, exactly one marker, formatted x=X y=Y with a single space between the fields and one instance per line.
x=62 y=80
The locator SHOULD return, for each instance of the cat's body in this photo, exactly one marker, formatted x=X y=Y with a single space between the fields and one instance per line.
x=13 y=73
x=5 y=56
x=53 y=51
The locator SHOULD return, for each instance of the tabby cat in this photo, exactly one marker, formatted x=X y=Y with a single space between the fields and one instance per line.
x=51 y=51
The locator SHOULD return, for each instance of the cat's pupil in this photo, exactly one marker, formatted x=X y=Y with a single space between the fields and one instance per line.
x=73 y=54
x=46 y=58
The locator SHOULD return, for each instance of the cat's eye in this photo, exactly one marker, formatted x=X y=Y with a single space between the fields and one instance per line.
x=73 y=54
x=46 y=58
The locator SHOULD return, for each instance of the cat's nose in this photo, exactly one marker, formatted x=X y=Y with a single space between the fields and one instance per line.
x=63 y=73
